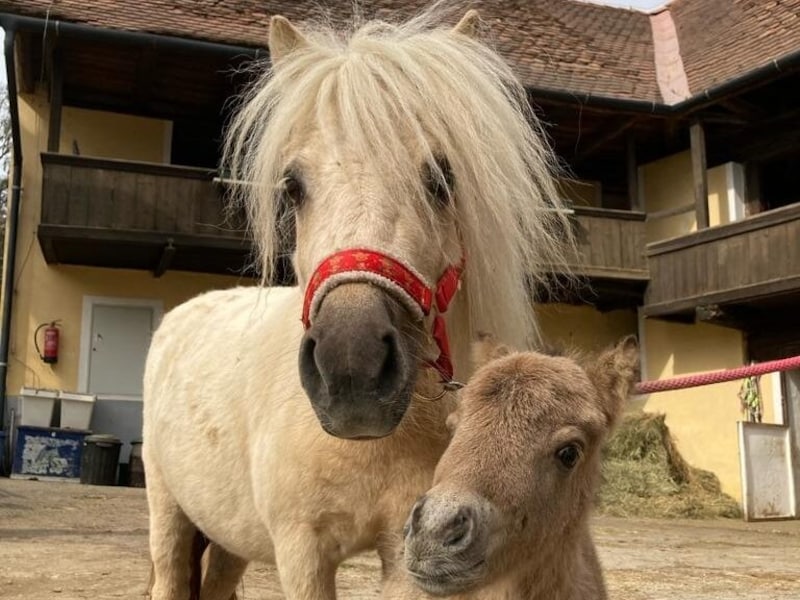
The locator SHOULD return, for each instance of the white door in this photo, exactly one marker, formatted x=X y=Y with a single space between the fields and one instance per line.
x=765 y=456
x=115 y=340
x=120 y=336
x=791 y=389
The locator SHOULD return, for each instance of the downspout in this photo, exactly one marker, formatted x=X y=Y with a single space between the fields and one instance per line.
x=12 y=223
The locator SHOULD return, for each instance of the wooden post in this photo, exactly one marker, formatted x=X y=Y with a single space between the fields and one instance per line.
x=699 y=175
x=56 y=99
x=634 y=201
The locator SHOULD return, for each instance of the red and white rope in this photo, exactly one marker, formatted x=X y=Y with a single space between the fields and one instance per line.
x=699 y=379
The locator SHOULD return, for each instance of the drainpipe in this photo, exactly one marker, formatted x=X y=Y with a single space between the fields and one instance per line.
x=12 y=219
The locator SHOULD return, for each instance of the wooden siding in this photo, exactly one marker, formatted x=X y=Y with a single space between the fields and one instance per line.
x=129 y=196
x=740 y=262
x=610 y=244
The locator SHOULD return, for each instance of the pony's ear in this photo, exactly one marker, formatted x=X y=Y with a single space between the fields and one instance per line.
x=614 y=374
x=486 y=348
x=469 y=24
x=284 y=38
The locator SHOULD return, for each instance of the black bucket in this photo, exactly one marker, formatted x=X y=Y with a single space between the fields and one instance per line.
x=100 y=459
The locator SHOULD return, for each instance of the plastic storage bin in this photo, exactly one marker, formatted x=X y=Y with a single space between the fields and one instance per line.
x=76 y=410
x=100 y=459
x=47 y=453
x=36 y=407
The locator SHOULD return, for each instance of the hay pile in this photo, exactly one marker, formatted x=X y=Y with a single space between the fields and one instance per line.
x=644 y=475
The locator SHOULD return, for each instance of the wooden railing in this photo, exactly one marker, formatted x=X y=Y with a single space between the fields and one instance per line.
x=129 y=196
x=610 y=244
x=756 y=257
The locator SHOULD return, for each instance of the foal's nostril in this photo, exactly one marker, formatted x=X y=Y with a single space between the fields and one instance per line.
x=458 y=532
x=416 y=515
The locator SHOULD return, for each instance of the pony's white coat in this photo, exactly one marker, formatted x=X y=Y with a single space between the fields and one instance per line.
x=231 y=444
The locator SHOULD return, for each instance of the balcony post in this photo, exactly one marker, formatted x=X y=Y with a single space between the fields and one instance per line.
x=699 y=175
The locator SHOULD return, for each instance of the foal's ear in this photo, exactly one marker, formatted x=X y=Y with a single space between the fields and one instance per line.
x=469 y=24
x=614 y=374
x=284 y=38
x=486 y=348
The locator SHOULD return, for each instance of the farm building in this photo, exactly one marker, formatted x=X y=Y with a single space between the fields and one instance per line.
x=679 y=131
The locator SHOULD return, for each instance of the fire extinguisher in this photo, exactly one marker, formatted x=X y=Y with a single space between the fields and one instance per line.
x=50 y=354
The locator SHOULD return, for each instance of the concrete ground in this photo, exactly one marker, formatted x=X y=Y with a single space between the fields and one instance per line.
x=68 y=541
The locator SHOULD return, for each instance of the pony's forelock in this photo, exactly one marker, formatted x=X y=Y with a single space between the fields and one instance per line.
x=404 y=91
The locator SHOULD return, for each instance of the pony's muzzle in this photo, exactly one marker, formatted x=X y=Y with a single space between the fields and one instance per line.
x=354 y=364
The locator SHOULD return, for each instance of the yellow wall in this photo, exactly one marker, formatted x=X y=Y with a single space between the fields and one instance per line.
x=668 y=184
x=114 y=135
x=702 y=419
x=717 y=197
x=582 y=326
x=67 y=286
x=43 y=293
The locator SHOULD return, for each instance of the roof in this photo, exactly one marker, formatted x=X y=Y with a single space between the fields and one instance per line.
x=566 y=46
x=722 y=39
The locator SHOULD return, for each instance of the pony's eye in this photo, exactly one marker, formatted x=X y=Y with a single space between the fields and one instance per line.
x=569 y=455
x=439 y=182
x=293 y=189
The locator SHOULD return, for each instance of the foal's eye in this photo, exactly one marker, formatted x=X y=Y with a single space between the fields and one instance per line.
x=293 y=190
x=569 y=455
x=439 y=182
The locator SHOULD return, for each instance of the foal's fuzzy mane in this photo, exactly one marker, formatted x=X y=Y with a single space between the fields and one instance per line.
x=417 y=87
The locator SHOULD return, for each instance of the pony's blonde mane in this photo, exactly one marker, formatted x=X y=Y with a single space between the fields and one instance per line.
x=410 y=88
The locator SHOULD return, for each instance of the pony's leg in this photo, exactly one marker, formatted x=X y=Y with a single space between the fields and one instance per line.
x=172 y=541
x=222 y=573
x=307 y=571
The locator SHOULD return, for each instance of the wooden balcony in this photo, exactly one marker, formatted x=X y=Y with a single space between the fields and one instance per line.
x=121 y=214
x=738 y=272
x=610 y=261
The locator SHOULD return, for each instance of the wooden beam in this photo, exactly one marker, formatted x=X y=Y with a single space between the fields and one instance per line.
x=56 y=100
x=167 y=255
x=145 y=74
x=634 y=201
x=605 y=139
x=699 y=174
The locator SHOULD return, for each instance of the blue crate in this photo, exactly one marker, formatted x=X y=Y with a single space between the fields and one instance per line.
x=48 y=453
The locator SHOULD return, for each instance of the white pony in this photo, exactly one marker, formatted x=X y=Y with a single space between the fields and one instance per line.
x=405 y=158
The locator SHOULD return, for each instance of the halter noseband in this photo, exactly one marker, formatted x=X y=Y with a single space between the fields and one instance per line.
x=409 y=287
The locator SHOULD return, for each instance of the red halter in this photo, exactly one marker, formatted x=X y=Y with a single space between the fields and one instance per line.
x=364 y=265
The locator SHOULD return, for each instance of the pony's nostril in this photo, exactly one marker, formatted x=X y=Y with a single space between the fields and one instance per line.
x=311 y=374
x=390 y=371
x=458 y=532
